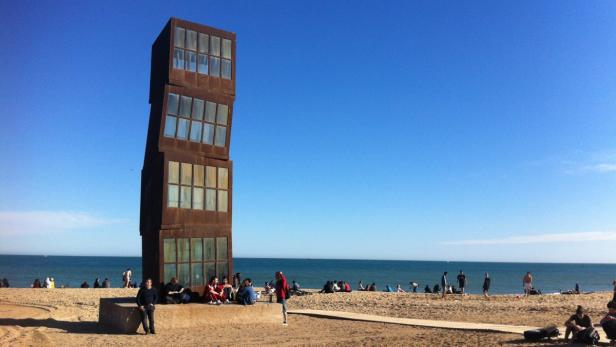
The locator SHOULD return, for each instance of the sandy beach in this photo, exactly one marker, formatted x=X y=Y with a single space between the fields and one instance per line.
x=44 y=317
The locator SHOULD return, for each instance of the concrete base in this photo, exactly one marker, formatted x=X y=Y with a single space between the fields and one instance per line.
x=122 y=316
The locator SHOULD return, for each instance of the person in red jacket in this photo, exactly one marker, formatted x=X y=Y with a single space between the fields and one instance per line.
x=213 y=294
x=282 y=293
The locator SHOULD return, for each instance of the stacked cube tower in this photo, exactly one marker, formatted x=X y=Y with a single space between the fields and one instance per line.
x=186 y=180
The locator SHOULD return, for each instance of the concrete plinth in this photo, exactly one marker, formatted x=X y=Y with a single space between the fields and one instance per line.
x=121 y=315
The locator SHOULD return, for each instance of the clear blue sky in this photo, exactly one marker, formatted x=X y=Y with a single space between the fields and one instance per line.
x=374 y=130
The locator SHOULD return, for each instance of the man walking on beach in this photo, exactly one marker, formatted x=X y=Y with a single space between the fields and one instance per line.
x=527 y=281
x=444 y=283
x=282 y=294
x=146 y=299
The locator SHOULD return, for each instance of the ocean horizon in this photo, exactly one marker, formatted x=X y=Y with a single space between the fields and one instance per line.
x=71 y=271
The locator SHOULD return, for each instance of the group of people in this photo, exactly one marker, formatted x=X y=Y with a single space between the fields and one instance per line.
x=336 y=286
x=239 y=291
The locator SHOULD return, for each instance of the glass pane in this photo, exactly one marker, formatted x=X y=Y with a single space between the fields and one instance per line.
x=208 y=133
x=221 y=135
x=208 y=248
x=197 y=109
x=191 y=61
x=214 y=66
x=202 y=64
x=198 y=198
x=191 y=40
x=169 y=250
x=222 y=201
x=197 y=274
x=223 y=269
x=196 y=250
x=172 y=195
x=225 y=69
x=178 y=58
x=186 y=173
x=184 y=274
x=210 y=111
x=203 y=43
x=185 y=105
x=172 y=103
x=169 y=272
x=170 y=126
x=195 y=131
x=210 y=199
x=210 y=270
x=178 y=40
x=215 y=46
x=198 y=175
x=185 y=201
x=174 y=172
x=223 y=178
x=226 y=48
x=223 y=114
x=210 y=176
x=182 y=133
x=183 y=250
x=221 y=248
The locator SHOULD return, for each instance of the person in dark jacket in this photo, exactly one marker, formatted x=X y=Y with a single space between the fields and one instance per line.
x=97 y=283
x=282 y=294
x=486 y=284
x=146 y=299
x=577 y=322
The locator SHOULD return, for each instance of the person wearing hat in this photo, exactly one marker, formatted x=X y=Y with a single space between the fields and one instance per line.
x=577 y=322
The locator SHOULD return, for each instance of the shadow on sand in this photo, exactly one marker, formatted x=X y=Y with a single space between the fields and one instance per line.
x=68 y=326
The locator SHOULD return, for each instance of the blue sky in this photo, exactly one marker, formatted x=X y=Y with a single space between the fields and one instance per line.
x=373 y=130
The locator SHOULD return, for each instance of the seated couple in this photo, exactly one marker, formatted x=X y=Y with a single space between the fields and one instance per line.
x=246 y=294
x=216 y=293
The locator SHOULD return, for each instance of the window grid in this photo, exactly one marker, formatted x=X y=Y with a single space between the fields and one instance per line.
x=196 y=120
x=186 y=190
x=202 y=53
x=195 y=264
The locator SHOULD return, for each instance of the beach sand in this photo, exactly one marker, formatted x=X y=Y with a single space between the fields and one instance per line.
x=52 y=317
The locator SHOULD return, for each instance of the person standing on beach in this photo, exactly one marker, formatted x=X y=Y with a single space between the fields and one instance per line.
x=486 y=284
x=282 y=294
x=146 y=299
x=527 y=282
x=444 y=283
x=126 y=277
x=461 y=281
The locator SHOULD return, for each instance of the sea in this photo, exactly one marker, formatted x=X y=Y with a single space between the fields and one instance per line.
x=71 y=271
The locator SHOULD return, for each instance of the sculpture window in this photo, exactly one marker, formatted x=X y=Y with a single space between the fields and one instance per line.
x=193 y=261
x=196 y=120
x=197 y=187
x=202 y=53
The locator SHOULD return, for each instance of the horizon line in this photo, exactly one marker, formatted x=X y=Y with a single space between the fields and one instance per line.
x=341 y=259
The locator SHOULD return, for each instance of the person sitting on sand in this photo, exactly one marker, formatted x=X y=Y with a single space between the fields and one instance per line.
x=328 y=288
x=47 y=282
x=52 y=283
x=227 y=289
x=5 y=283
x=296 y=289
x=146 y=299
x=347 y=287
x=36 y=283
x=399 y=289
x=527 y=283
x=246 y=294
x=577 y=322
x=360 y=286
x=413 y=286
x=372 y=287
x=85 y=284
x=172 y=292
x=213 y=295
x=486 y=284
x=336 y=286
x=436 y=289
x=427 y=289
x=461 y=281
x=97 y=283
x=608 y=323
